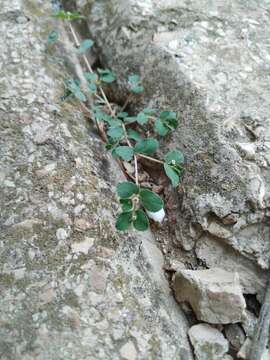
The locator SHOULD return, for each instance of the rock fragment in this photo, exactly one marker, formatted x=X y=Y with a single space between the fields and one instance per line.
x=208 y=342
x=215 y=295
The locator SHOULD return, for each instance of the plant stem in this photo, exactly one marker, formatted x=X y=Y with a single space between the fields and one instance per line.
x=126 y=102
x=135 y=157
x=89 y=67
x=151 y=158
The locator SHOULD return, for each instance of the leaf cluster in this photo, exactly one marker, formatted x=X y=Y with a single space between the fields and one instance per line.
x=129 y=136
x=135 y=201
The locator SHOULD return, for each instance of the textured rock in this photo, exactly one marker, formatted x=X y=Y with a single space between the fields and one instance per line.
x=245 y=351
x=208 y=342
x=215 y=295
x=71 y=286
x=214 y=253
x=209 y=61
x=235 y=335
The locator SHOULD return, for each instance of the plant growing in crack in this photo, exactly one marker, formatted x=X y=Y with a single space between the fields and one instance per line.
x=130 y=138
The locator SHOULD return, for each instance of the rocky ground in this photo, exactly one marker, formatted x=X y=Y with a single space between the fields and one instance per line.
x=71 y=286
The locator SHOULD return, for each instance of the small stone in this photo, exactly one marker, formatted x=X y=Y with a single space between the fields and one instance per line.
x=83 y=246
x=236 y=336
x=128 y=351
x=249 y=323
x=244 y=351
x=215 y=295
x=61 y=234
x=208 y=342
x=81 y=224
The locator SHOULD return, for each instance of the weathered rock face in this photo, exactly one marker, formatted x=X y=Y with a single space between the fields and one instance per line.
x=71 y=286
x=208 y=342
x=215 y=295
x=209 y=61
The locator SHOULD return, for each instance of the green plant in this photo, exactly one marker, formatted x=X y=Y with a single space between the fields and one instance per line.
x=129 y=138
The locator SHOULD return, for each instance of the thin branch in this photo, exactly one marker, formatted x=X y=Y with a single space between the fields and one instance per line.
x=260 y=337
x=151 y=159
x=126 y=102
x=89 y=67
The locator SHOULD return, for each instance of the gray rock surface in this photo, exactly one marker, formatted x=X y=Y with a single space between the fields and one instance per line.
x=215 y=295
x=71 y=286
x=208 y=342
x=209 y=61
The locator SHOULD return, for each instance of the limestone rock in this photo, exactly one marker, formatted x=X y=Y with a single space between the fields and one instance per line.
x=208 y=342
x=209 y=62
x=235 y=335
x=215 y=253
x=215 y=295
x=244 y=352
x=71 y=286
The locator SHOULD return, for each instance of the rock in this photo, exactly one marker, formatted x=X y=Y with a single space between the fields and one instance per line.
x=202 y=60
x=235 y=335
x=208 y=342
x=215 y=253
x=215 y=295
x=245 y=351
x=249 y=323
x=128 y=351
x=71 y=286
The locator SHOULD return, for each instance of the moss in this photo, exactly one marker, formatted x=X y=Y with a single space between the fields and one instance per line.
x=71 y=299
x=7 y=280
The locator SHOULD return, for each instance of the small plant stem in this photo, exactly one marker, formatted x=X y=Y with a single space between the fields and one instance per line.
x=136 y=170
x=135 y=157
x=126 y=102
x=151 y=159
x=89 y=67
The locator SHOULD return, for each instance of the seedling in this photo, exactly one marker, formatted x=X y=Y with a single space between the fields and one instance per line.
x=128 y=137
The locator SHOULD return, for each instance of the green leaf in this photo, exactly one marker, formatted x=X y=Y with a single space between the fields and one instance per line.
x=124 y=221
x=125 y=152
x=106 y=75
x=141 y=118
x=141 y=222
x=166 y=122
x=126 y=204
x=133 y=135
x=116 y=133
x=91 y=81
x=115 y=122
x=126 y=189
x=135 y=84
x=74 y=87
x=172 y=175
x=52 y=37
x=149 y=111
x=122 y=115
x=100 y=115
x=151 y=201
x=130 y=119
x=160 y=128
x=85 y=45
x=146 y=146
x=174 y=157
x=67 y=15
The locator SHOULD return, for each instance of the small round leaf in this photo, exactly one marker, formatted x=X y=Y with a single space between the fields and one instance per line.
x=150 y=200
x=174 y=155
x=126 y=189
x=172 y=175
x=141 y=222
x=146 y=146
x=123 y=221
x=125 y=152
